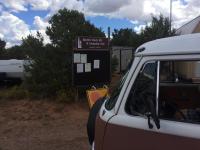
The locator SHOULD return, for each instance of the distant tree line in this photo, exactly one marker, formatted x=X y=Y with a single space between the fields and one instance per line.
x=158 y=28
x=49 y=72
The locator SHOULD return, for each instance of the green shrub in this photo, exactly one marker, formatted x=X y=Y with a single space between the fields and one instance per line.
x=65 y=95
x=49 y=72
x=16 y=92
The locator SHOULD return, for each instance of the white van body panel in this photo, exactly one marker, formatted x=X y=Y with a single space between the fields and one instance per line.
x=13 y=68
x=185 y=44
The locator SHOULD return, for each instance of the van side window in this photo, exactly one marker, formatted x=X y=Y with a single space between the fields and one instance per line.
x=179 y=97
x=143 y=92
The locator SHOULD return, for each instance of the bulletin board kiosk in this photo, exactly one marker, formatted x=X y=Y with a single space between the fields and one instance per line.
x=91 y=62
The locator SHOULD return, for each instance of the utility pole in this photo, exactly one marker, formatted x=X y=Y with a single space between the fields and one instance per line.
x=109 y=33
x=110 y=50
x=170 y=17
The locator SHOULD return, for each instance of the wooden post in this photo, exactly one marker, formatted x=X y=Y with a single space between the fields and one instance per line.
x=77 y=96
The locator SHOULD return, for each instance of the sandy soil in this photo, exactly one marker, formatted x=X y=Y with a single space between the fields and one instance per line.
x=43 y=125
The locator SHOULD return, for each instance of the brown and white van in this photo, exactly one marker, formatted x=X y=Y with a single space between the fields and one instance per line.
x=156 y=105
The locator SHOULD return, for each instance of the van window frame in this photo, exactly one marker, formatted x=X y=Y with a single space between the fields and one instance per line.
x=157 y=87
x=176 y=60
x=120 y=109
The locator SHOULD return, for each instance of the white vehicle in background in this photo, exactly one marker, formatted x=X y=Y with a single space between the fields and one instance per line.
x=12 y=69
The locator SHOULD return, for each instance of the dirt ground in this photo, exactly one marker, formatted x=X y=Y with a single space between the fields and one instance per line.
x=43 y=125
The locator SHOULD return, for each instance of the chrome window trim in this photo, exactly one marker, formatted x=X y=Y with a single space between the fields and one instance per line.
x=157 y=87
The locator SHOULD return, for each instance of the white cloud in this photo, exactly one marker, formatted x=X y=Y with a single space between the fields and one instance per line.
x=184 y=13
x=134 y=22
x=69 y=4
x=137 y=11
x=12 y=29
x=138 y=28
x=105 y=6
x=40 y=4
x=40 y=23
x=22 y=5
x=142 y=11
x=1 y=36
x=132 y=11
x=129 y=9
x=15 y=5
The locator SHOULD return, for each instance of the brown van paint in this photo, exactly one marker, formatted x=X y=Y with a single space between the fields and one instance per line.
x=99 y=133
x=125 y=138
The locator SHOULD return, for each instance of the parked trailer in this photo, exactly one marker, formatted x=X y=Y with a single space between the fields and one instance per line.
x=12 y=69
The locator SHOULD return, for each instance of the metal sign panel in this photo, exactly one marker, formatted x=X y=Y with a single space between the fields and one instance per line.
x=91 y=68
x=91 y=62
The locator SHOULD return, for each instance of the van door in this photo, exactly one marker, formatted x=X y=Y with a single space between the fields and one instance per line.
x=137 y=125
x=131 y=129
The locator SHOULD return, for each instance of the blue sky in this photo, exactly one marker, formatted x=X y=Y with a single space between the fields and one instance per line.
x=114 y=23
x=18 y=18
x=28 y=16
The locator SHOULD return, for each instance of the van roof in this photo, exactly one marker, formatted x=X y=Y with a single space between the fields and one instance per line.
x=184 y=44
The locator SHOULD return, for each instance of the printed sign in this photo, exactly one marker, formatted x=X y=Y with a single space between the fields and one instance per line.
x=83 y=58
x=77 y=58
x=92 y=43
x=79 y=68
x=88 y=67
x=96 y=64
